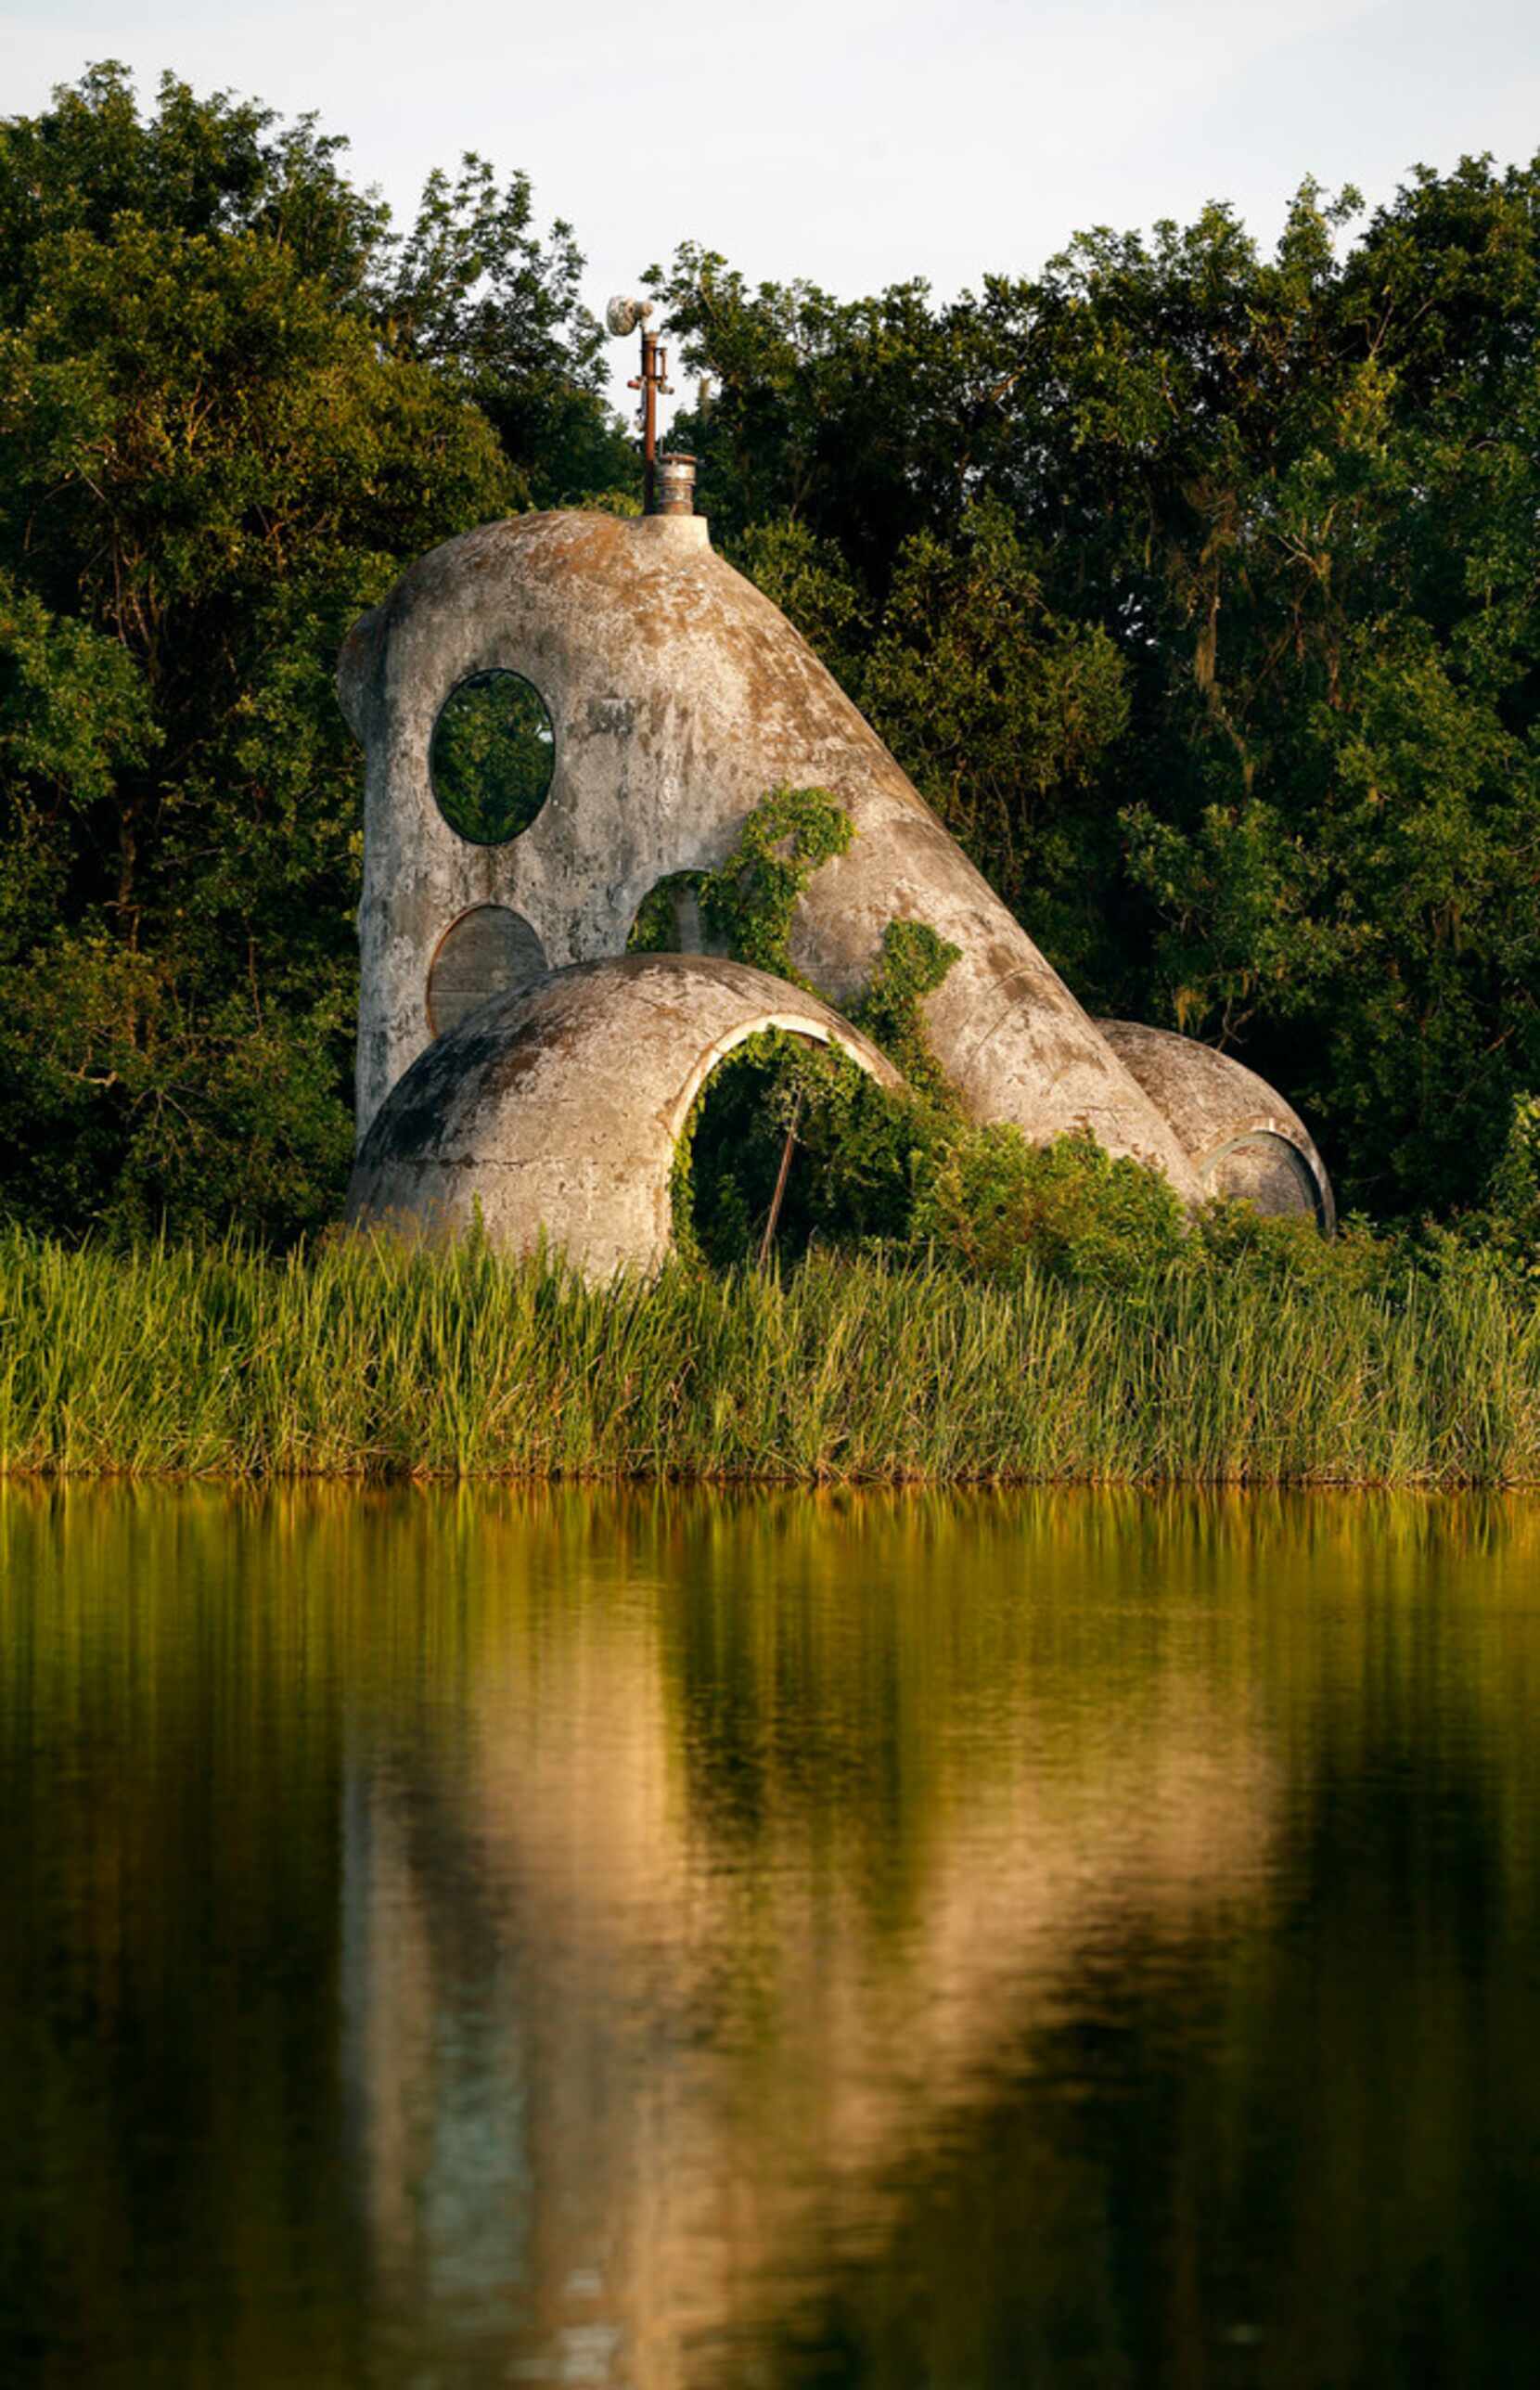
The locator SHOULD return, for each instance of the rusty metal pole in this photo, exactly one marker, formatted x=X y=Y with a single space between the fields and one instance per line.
x=649 y=423
x=652 y=381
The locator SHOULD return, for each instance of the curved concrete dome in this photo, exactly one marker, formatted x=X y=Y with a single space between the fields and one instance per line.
x=678 y=697
x=559 y=1107
x=1239 y=1135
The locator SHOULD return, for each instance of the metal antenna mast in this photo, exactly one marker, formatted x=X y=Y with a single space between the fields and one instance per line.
x=623 y=316
x=653 y=383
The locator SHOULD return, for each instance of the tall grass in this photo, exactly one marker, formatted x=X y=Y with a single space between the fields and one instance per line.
x=371 y=1360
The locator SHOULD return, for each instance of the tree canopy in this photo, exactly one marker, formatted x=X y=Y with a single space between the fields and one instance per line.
x=233 y=406
x=1198 y=590
x=1196 y=587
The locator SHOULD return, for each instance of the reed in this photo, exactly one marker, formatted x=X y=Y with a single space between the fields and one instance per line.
x=370 y=1360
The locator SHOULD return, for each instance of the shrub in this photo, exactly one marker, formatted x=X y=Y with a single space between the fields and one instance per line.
x=1230 y=1238
x=1003 y=1208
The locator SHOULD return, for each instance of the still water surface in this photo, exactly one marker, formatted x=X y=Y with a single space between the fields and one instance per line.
x=674 y=1941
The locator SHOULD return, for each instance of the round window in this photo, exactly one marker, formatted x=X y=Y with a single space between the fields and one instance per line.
x=492 y=757
x=488 y=951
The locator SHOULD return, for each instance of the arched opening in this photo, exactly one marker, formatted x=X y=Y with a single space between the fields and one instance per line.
x=668 y=919
x=492 y=756
x=789 y=1143
x=488 y=951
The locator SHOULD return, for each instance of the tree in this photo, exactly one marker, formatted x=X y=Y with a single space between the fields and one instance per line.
x=1196 y=590
x=476 y=293
x=1195 y=587
x=232 y=408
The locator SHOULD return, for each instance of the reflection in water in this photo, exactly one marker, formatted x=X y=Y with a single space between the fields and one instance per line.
x=652 y=1940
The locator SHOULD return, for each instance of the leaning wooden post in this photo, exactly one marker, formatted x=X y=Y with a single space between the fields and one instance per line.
x=769 y=1237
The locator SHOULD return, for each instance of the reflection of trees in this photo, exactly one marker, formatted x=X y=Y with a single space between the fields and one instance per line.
x=646 y=1933
x=1298 y=2149
x=169 y=1780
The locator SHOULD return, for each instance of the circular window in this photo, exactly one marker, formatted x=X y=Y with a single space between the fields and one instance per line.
x=488 y=951
x=492 y=754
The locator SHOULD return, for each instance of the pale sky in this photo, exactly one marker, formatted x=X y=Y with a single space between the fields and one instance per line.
x=851 y=143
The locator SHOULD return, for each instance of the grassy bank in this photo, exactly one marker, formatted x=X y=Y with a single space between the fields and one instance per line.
x=360 y=1360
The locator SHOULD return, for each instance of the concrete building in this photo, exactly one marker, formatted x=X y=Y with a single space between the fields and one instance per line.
x=561 y=711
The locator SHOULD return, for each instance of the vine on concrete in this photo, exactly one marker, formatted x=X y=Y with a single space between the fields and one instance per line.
x=861 y=1138
x=747 y=903
x=904 y=1167
x=913 y=963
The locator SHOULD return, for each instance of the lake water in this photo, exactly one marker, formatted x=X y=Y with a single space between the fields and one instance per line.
x=667 y=1940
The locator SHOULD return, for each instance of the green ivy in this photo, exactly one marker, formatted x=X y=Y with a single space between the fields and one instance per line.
x=747 y=904
x=913 y=963
x=858 y=1142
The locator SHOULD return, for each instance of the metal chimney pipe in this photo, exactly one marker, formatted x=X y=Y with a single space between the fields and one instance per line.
x=676 y=483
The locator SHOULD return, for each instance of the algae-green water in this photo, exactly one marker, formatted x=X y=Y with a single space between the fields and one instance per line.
x=663 y=1939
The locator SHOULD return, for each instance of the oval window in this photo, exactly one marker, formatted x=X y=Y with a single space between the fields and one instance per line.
x=492 y=757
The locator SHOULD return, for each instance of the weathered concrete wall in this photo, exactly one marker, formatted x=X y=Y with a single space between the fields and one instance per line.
x=556 y=1108
x=1241 y=1136
x=679 y=696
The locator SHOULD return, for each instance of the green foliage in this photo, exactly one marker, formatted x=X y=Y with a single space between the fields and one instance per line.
x=369 y=1359
x=900 y=1167
x=657 y=928
x=723 y=1152
x=492 y=756
x=1195 y=587
x=745 y=906
x=747 y=903
x=855 y=1141
x=233 y=406
x=913 y=961
x=809 y=579
x=850 y=1175
x=474 y=292
x=1510 y=1221
x=1001 y=711
x=1234 y=1243
x=1005 y=1209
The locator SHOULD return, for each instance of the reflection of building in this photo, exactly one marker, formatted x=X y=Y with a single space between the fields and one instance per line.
x=653 y=696
x=705 y=1912
x=474 y=1937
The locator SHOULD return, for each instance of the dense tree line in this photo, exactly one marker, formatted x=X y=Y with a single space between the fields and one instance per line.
x=1196 y=588
x=233 y=405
